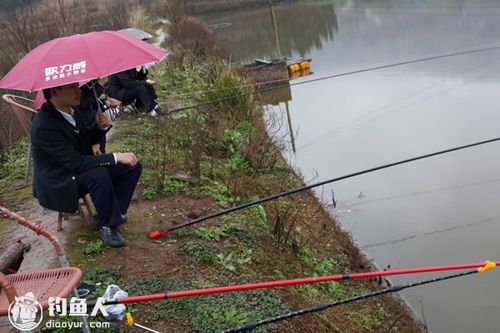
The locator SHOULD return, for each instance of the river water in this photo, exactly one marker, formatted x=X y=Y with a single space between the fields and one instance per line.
x=442 y=210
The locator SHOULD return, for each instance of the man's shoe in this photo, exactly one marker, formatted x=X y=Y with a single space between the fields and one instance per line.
x=111 y=237
x=156 y=112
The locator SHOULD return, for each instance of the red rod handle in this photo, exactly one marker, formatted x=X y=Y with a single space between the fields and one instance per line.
x=157 y=234
x=283 y=283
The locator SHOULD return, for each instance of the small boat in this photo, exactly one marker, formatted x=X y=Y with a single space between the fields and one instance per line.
x=268 y=71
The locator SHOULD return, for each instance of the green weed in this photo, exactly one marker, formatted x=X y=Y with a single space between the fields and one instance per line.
x=321 y=267
x=210 y=233
x=220 y=193
x=101 y=278
x=214 y=313
x=233 y=260
x=260 y=213
x=238 y=162
x=172 y=187
x=149 y=193
x=94 y=248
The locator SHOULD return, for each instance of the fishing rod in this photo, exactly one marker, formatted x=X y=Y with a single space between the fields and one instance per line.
x=327 y=77
x=283 y=283
x=324 y=306
x=159 y=233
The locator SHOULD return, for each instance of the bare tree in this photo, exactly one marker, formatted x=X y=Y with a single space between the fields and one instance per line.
x=176 y=10
x=33 y=24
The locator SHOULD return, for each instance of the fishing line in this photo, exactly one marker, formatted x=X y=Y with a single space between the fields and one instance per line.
x=327 y=77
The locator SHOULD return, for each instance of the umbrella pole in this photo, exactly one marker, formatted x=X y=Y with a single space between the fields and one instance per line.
x=96 y=97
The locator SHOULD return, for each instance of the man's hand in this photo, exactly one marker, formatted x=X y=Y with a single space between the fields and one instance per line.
x=102 y=120
x=102 y=80
x=127 y=158
x=112 y=103
x=150 y=82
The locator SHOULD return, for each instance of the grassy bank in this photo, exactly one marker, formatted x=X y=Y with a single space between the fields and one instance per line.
x=203 y=160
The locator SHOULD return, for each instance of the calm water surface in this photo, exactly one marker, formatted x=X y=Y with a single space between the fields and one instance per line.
x=443 y=210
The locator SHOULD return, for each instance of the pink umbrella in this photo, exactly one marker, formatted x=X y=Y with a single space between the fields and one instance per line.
x=39 y=100
x=79 y=58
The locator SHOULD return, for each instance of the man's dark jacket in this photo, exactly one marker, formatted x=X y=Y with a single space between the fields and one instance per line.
x=119 y=83
x=61 y=152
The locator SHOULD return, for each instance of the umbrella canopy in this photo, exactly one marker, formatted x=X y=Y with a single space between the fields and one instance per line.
x=137 y=33
x=39 y=100
x=79 y=58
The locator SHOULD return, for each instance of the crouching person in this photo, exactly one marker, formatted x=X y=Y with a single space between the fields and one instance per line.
x=65 y=168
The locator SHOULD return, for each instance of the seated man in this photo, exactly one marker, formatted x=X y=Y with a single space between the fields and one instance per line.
x=88 y=105
x=65 y=168
x=133 y=86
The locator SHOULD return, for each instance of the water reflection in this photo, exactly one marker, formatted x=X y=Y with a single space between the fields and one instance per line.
x=251 y=34
x=279 y=98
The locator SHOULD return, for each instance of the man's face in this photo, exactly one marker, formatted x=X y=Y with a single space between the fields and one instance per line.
x=68 y=95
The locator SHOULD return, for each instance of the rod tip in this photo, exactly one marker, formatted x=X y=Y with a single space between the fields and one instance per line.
x=488 y=264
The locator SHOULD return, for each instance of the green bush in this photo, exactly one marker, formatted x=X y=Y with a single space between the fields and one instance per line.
x=226 y=82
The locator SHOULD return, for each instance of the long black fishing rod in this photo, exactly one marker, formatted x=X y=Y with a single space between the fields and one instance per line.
x=321 y=307
x=327 y=77
x=158 y=233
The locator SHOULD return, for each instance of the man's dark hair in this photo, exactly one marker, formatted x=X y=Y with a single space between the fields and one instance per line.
x=47 y=94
